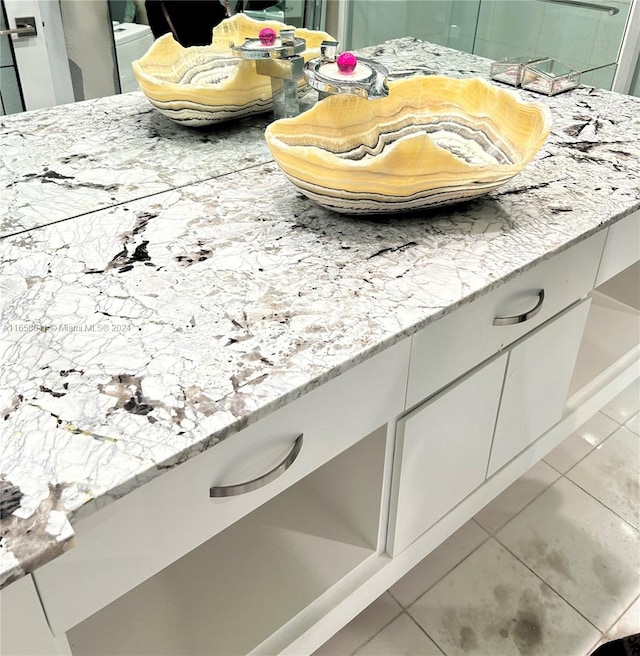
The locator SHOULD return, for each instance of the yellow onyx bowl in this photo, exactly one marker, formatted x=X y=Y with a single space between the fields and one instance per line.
x=203 y=85
x=433 y=141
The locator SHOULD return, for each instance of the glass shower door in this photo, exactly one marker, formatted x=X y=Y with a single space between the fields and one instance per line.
x=445 y=22
x=584 y=34
x=11 y=100
x=300 y=13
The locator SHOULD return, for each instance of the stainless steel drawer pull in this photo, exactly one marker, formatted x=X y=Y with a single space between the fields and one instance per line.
x=519 y=318
x=261 y=481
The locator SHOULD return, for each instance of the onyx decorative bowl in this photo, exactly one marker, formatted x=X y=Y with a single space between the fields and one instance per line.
x=203 y=85
x=433 y=141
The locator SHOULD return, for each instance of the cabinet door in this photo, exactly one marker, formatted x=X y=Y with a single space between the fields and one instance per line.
x=536 y=385
x=23 y=625
x=443 y=450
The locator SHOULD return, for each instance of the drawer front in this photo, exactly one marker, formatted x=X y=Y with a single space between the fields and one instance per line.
x=442 y=452
x=455 y=344
x=622 y=248
x=130 y=540
x=536 y=384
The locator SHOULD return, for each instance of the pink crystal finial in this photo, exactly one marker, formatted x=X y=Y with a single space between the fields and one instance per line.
x=347 y=63
x=267 y=36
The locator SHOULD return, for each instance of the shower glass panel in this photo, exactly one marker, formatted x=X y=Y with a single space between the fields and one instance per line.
x=584 y=34
x=299 y=13
x=446 y=22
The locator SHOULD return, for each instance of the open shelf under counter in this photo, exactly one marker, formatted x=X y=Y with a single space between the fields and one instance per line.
x=609 y=355
x=611 y=341
x=233 y=592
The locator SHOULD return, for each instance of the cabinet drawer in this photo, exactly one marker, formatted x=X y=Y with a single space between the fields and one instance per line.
x=130 y=540
x=456 y=343
x=442 y=452
x=622 y=247
x=536 y=384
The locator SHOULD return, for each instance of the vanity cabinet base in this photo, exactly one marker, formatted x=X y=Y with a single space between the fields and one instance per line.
x=305 y=559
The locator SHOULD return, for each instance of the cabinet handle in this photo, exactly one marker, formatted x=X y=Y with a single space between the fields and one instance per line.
x=24 y=27
x=519 y=318
x=257 y=483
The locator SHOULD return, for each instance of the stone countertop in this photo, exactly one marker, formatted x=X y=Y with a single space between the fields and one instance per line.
x=70 y=160
x=147 y=328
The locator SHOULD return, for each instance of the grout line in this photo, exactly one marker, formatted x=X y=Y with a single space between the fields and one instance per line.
x=368 y=640
x=550 y=586
x=424 y=592
x=611 y=510
x=591 y=450
x=626 y=610
x=423 y=631
x=524 y=507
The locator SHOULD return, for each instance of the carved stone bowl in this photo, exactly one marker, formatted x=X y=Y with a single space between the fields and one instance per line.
x=203 y=85
x=433 y=141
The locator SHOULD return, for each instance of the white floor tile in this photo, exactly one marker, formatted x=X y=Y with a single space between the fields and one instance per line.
x=584 y=551
x=592 y=433
x=362 y=628
x=402 y=637
x=627 y=625
x=600 y=642
x=611 y=474
x=508 y=504
x=625 y=405
x=634 y=424
x=491 y=604
x=438 y=563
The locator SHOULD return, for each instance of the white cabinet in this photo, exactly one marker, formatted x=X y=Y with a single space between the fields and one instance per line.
x=473 y=404
x=536 y=384
x=23 y=625
x=442 y=451
x=449 y=445
x=455 y=344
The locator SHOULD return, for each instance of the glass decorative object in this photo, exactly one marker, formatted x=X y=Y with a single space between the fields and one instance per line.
x=510 y=69
x=549 y=76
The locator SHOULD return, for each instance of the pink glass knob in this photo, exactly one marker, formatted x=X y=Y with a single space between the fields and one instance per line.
x=347 y=63
x=267 y=36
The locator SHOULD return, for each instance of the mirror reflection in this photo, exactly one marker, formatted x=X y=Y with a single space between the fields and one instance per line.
x=84 y=49
x=132 y=37
x=136 y=23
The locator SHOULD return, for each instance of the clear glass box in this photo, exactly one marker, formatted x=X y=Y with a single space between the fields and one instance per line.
x=549 y=76
x=511 y=69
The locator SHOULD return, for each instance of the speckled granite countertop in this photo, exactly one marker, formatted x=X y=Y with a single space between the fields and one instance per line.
x=163 y=287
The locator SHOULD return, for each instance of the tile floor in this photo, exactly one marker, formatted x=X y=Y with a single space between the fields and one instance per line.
x=550 y=567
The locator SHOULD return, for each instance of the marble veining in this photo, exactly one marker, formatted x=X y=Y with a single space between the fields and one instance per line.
x=138 y=335
x=73 y=159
